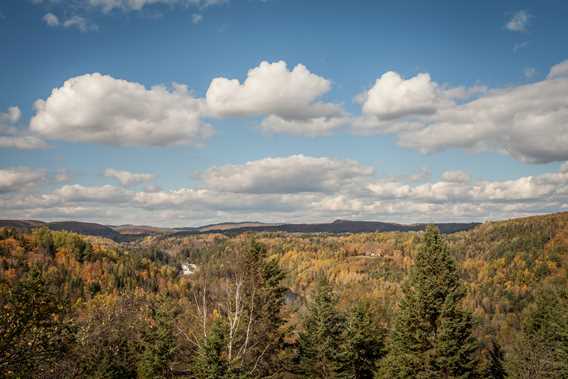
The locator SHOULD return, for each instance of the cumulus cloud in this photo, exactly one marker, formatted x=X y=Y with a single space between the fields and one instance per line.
x=246 y=192
x=20 y=179
x=50 y=19
x=559 y=70
x=291 y=99
x=457 y=176
x=293 y=174
x=127 y=178
x=16 y=138
x=77 y=193
x=99 y=108
x=519 y=21
x=392 y=96
x=528 y=122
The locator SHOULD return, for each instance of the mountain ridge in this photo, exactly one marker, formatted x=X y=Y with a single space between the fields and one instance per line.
x=129 y=232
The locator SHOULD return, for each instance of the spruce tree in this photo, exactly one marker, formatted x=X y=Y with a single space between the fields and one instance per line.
x=210 y=362
x=432 y=336
x=495 y=366
x=159 y=344
x=363 y=344
x=266 y=294
x=319 y=343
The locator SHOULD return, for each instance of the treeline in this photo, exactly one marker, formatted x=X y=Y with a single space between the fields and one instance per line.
x=286 y=307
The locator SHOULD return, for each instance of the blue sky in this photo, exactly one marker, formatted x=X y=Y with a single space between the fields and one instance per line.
x=481 y=60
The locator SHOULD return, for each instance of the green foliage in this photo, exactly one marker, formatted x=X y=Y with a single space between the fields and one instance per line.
x=496 y=362
x=362 y=344
x=432 y=336
x=159 y=344
x=33 y=331
x=113 y=303
x=319 y=342
x=44 y=241
x=541 y=349
x=210 y=361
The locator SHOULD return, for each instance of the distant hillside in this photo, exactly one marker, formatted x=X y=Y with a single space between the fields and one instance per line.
x=141 y=230
x=86 y=228
x=338 y=226
x=21 y=224
x=233 y=225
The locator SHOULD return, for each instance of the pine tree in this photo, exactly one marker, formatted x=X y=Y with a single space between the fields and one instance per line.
x=363 y=345
x=432 y=336
x=319 y=343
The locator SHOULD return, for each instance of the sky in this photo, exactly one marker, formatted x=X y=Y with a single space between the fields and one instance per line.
x=189 y=112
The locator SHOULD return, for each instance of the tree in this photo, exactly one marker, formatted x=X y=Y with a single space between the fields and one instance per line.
x=319 y=342
x=362 y=346
x=210 y=362
x=432 y=336
x=541 y=349
x=33 y=330
x=495 y=368
x=158 y=343
x=44 y=241
x=247 y=298
x=266 y=296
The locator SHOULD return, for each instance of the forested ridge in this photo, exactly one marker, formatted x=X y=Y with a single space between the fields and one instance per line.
x=488 y=302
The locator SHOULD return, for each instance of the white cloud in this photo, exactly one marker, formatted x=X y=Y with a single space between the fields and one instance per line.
x=101 y=109
x=289 y=99
x=455 y=176
x=290 y=189
x=196 y=18
x=13 y=137
x=311 y=127
x=137 y=5
x=519 y=22
x=80 y=23
x=20 y=179
x=78 y=193
x=228 y=196
x=559 y=70
x=293 y=174
x=392 y=96
x=528 y=122
x=50 y=19
x=128 y=179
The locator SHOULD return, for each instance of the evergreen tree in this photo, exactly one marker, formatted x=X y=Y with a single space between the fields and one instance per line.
x=432 y=335
x=159 y=345
x=362 y=345
x=267 y=338
x=210 y=362
x=541 y=350
x=496 y=357
x=319 y=343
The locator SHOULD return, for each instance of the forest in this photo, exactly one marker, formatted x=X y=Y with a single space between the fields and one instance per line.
x=490 y=302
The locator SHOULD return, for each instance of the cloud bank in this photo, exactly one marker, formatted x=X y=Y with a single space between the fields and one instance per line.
x=528 y=122
x=295 y=188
